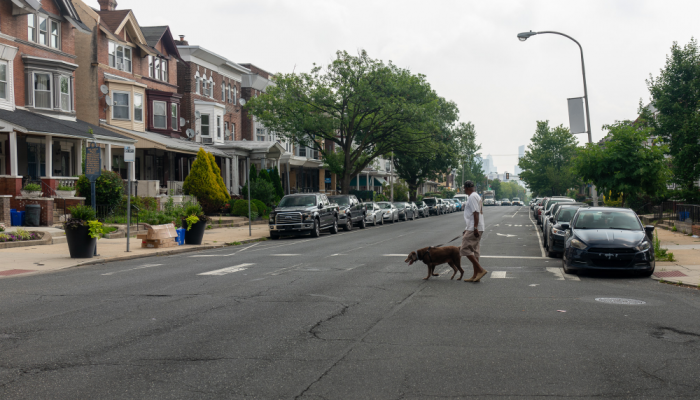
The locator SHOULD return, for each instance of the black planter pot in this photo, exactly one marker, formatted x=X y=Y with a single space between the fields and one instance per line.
x=196 y=232
x=80 y=244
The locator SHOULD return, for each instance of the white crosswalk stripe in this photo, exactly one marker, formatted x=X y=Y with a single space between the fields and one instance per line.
x=498 y=274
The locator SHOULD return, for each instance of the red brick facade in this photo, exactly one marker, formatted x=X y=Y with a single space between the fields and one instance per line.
x=248 y=131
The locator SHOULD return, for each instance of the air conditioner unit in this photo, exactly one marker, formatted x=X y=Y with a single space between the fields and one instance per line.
x=120 y=66
x=207 y=140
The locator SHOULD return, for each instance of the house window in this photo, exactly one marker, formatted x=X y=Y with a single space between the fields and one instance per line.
x=196 y=84
x=3 y=80
x=156 y=68
x=150 y=66
x=120 y=57
x=211 y=88
x=235 y=94
x=233 y=131
x=164 y=70
x=173 y=116
x=261 y=134
x=31 y=24
x=138 y=107
x=121 y=108
x=223 y=92
x=160 y=120
x=204 y=121
x=65 y=93
x=55 y=38
x=43 y=30
x=205 y=87
x=218 y=126
x=42 y=90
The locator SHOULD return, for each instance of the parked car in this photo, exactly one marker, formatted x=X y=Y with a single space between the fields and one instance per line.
x=542 y=213
x=304 y=213
x=351 y=212
x=516 y=201
x=373 y=213
x=415 y=208
x=549 y=211
x=505 y=202
x=405 y=211
x=458 y=203
x=390 y=212
x=608 y=238
x=554 y=234
x=435 y=205
x=497 y=202
x=452 y=204
x=423 y=210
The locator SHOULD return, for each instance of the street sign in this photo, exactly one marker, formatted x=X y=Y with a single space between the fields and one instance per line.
x=93 y=162
x=129 y=153
x=577 y=123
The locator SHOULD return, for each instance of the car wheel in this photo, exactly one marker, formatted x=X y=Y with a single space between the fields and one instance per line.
x=316 y=232
x=392 y=218
x=566 y=269
x=647 y=273
x=363 y=223
x=382 y=221
x=334 y=229
x=348 y=224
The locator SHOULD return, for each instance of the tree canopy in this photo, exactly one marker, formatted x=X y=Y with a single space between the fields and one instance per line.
x=546 y=166
x=364 y=107
x=627 y=164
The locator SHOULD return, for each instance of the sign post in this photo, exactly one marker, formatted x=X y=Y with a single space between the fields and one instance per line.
x=129 y=158
x=93 y=170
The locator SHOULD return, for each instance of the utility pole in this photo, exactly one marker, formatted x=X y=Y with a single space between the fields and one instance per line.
x=391 y=177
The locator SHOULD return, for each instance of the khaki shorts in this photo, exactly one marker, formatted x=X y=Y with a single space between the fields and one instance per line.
x=471 y=245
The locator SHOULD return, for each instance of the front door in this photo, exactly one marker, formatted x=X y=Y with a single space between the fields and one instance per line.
x=36 y=160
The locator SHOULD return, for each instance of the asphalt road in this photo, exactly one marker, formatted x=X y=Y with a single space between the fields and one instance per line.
x=343 y=317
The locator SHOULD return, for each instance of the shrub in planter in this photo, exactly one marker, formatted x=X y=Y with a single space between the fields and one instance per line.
x=65 y=191
x=31 y=190
x=240 y=208
x=195 y=223
x=109 y=189
x=82 y=231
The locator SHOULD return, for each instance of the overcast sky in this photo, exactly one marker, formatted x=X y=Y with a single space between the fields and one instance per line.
x=467 y=49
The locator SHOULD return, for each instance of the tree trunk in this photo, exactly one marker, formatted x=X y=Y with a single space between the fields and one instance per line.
x=345 y=183
x=412 y=189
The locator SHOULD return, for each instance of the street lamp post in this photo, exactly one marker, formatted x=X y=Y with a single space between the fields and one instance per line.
x=523 y=37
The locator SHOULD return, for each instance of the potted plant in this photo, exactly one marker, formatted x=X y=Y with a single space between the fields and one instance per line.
x=31 y=190
x=65 y=191
x=82 y=231
x=195 y=223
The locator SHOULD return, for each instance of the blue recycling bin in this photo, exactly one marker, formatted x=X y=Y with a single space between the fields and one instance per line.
x=180 y=236
x=15 y=218
x=683 y=215
x=22 y=217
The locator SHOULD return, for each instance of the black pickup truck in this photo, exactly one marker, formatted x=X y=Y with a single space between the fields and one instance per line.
x=351 y=212
x=303 y=213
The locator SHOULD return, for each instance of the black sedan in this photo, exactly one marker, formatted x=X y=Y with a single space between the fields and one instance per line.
x=600 y=238
x=406 y=212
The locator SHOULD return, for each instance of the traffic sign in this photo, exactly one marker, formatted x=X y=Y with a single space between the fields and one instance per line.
x=129 y=153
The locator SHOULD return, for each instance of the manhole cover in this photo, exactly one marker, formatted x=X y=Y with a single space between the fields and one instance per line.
x=614 y=300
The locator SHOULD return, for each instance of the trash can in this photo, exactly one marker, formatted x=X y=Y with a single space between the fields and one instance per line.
x=22 y=215
x=33 y=214
x=180 y=236
x=15 y=218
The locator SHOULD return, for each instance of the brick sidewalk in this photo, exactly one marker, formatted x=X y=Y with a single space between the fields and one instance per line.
x=37 y=259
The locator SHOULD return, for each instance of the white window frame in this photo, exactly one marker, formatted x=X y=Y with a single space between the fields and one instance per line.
x=208 y=125
x=150 y=66
x=34 y=74
x=113 y=61
x=32 y=37
x=233 y=131
x=235 y=95
x=165 y=114
x=163 y=70
x=174 y=119
x=58 y=34
x=197 y=80
x=218 y=127
x=128 y=107
x=260 y=134
x=139 y=108
x=60 y=81
x=211 y=88
x=7 y=79
x=223 y=92
x=36 y=32
x=46 y=32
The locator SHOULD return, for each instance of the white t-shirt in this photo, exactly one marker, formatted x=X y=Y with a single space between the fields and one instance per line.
x=473 y=205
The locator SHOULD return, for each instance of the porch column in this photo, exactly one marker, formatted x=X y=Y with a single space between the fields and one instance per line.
x=358 y=180
x=48 y=148
x=14 y=169
x=369 y=187
x=79 y=157
x=262 y=163
x=227 y=174
x=234 y=172
x=108 y=157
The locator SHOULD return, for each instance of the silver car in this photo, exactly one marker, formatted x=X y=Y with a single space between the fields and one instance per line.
x=390 y=212
x=423 y=210
x=373 y=213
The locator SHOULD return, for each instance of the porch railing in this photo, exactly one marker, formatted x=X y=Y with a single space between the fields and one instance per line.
x=688 y=213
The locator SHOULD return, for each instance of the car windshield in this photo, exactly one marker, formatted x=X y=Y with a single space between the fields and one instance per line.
x=298 y=201
x=339 y=200
x=555 y=201
x=384 y=206
x=598 y=219
x=400 y=204
x=430 y=202
x=566 y=214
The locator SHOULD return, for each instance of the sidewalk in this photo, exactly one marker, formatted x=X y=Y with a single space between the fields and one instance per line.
x=37 y=259
x=686 y=251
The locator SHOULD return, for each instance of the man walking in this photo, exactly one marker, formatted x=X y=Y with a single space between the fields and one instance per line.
x=471 y=237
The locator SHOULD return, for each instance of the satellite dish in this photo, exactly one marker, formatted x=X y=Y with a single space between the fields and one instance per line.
x=242 y=101
x=197 y=114
x=104 y=89
x=109 y=101
x=190 y=133
x=182 y=121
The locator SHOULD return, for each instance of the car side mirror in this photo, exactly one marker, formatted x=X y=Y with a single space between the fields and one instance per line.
x=565 y=226
x=320 y=205
x=649 y=229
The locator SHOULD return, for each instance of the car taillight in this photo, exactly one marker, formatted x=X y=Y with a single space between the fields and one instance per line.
x=539 y=212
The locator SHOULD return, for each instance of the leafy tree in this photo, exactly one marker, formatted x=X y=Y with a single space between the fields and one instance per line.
x=626 y=165
x=401 y=191
x=203 y=183
x=675 y=94
x=277 y=182
x=352 y=112
x=547 y=162
x=471 y=166
x=253 y=175
x=432 y=159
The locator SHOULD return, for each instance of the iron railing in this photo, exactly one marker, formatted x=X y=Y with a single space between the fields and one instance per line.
x=688 y=213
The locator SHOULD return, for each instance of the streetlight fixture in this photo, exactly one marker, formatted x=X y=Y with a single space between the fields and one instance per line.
x=523 y=36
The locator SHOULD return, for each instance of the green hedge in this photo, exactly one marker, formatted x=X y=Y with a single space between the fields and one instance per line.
x=240 y=208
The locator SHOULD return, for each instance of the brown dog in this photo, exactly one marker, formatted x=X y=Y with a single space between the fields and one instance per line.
x=434 y=256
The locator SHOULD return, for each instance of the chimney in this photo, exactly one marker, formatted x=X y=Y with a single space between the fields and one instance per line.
x=182 y=41
x=107 y=5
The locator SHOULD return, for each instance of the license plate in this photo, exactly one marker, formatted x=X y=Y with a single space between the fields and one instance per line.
x=287 y=228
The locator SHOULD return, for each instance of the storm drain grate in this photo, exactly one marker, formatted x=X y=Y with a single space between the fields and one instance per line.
x=615 y=300
x=669 y=274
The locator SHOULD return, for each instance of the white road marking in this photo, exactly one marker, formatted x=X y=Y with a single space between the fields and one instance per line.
x=334 y=255
x=506 y=235
x=283 y=270
x=561 y=276
x=224 y=255
x=538 y=234
x=394 y=255
x=498 y=274
x=519 y=257
x=535 y=284
x=283 y=255
x=132 y=269
x=229 y=270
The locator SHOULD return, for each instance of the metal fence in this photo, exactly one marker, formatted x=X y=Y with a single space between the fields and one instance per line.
x=688 y=213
